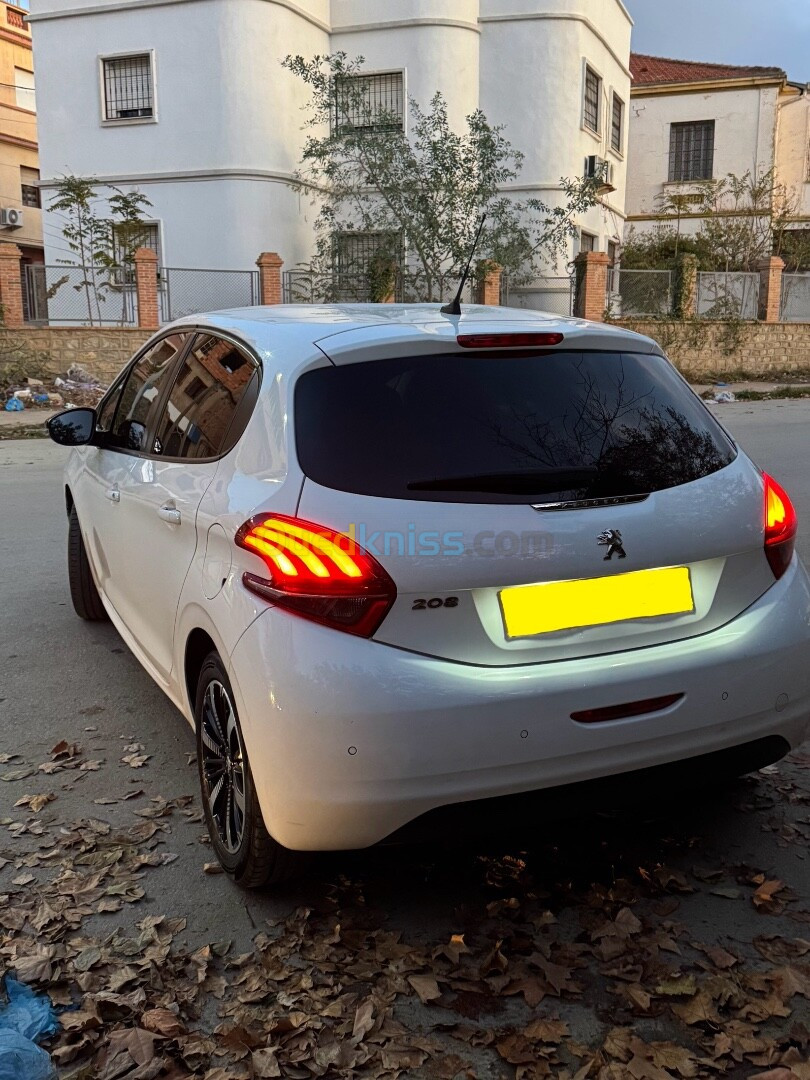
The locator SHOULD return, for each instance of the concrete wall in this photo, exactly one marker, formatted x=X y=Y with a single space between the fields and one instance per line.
x=701 y=349
x=100 y=352
x=793 y=150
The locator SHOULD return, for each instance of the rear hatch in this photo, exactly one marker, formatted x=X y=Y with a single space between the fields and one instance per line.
x=532 y=505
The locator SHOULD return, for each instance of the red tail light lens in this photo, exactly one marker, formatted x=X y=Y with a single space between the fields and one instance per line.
x=781 y=524
x=508 y=341
x=317 y=573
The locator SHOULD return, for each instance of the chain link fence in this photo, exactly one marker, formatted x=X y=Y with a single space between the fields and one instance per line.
x=307 y=286
x=554 y=295
x=79 y=296
x=795 y=300
x=187 y=292
x=639 y=292
x=733 y=295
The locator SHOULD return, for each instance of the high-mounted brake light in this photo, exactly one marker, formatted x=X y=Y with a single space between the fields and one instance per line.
x=781 y=525
x=508 y=341
x=317 y=573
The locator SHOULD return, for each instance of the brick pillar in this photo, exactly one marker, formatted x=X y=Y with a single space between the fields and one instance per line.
x=488 y=286
x=270 y=264
x=146 y=262
x=591 y=298
x=770 y=288
x=685 y=291
x=11 y=300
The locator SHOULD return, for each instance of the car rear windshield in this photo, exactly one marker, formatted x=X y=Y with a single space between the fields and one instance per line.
x=505 y=428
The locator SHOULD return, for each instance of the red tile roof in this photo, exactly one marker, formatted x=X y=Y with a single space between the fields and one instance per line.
x=656 y=70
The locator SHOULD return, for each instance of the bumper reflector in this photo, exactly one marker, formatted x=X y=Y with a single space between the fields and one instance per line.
x=530 y=610
x=621 y=712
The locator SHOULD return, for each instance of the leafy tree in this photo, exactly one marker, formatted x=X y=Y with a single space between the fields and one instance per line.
x=743 y=219
x=102 y=244
x=420 y=193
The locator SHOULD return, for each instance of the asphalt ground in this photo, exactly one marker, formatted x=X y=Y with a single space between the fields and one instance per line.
x=661 y=942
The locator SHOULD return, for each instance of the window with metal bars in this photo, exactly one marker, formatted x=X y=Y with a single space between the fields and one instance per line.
x=691 y=150
x=368 y=103
x=356 y=252
x=617 y=124
x=593 y=93
x=128 y=91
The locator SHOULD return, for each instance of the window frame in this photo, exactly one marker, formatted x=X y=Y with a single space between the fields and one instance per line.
x=614 y=98
x=593 y=236
x=193 y=330
x=37 y=204
x=377 y=73
x=588 y=67
x=674 y=127
x=25 y=89
x=124 y=121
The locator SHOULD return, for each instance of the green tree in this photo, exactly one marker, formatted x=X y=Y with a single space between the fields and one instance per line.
x=104 y=245
x=420 y=194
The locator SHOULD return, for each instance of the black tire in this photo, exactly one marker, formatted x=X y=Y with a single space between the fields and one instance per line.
x=83 y=592
x=240 y=840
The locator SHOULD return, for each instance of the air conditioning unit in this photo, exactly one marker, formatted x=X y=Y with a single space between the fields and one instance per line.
x=599 y=166
x=11 y=219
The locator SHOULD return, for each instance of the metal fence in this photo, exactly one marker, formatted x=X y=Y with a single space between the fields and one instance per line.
x=733 y=295
x=79 y=296
x=307 y=286
x=554 y=295
x=187 y=292
x=639 y=292
x=795 y=301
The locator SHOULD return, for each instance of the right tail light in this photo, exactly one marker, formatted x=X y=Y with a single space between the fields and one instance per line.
x=781 y=524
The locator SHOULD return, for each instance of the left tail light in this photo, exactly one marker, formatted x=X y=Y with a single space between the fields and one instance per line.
x=317 y=573
x=781 y=525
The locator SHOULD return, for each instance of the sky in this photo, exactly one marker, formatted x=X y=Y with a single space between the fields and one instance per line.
x=769 y=33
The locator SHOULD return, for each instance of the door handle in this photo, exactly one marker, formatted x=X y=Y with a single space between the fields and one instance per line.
x=169 y=513
x=113 y=494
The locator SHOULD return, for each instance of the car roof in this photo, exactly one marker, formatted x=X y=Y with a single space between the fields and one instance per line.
x=343 y=329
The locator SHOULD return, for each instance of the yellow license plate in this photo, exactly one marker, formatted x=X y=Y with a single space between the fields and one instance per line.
x=529 y=610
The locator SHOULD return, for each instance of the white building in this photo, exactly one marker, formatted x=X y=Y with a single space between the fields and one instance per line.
x=693 y=121
x=186 y=101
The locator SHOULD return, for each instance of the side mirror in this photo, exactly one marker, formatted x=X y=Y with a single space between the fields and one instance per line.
x=74 y=427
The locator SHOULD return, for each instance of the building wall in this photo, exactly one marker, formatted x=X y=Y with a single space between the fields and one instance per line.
x=218 y=162
x=793 y=149
x=18 y=126
x=745 y=132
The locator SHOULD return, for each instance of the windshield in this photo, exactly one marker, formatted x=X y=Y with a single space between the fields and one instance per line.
x=564 y=426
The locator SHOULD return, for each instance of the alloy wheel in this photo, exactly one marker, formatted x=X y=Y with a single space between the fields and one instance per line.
x=223 y=765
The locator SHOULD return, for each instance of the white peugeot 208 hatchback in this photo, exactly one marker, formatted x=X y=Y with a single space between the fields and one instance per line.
x=387 y=561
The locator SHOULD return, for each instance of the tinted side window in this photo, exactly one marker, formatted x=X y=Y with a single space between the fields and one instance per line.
x=210 y=401
x=141 y=393
x=107 y=406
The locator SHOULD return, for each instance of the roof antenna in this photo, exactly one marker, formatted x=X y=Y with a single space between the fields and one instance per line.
x=454 y=307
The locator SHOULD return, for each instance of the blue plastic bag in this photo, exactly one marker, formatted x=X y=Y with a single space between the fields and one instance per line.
x=28 y=1016
x=14 y=405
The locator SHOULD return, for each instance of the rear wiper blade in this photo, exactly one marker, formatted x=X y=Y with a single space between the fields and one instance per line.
x=539 y=482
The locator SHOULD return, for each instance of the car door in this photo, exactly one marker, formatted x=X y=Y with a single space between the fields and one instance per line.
x=106 y=467
x=190 y=430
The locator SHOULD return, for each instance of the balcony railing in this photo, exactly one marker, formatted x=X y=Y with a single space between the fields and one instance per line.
x=15 y=16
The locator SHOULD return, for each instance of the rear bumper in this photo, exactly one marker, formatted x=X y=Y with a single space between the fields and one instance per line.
x=349 y=740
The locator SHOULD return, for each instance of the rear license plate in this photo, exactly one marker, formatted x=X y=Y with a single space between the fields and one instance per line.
x=530 y=610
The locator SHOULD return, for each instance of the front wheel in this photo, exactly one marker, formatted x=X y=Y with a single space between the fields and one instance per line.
x=83 y=592
x=242 y=844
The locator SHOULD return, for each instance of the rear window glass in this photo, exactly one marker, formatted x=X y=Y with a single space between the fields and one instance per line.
x=562 y=426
